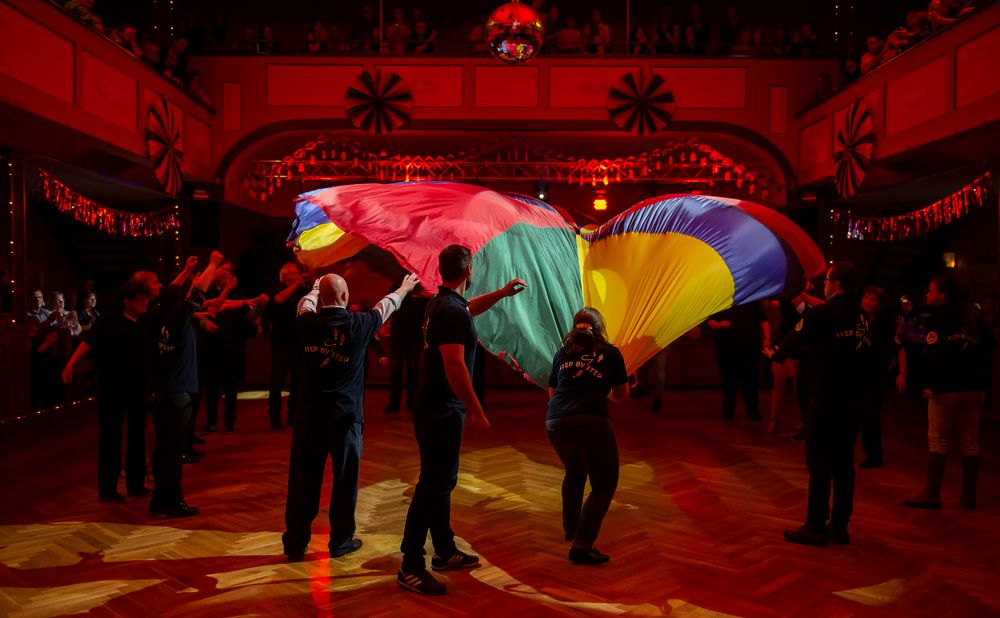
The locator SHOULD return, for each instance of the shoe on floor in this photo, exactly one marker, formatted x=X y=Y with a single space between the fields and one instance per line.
x=868 y=464
x=805 y=536
x=421 y=582
x=296 y=555
x=178 y=511
x=587 y=556
x=139 y=492
x=840 y=536
x=115 y=498
x=458 y=560
x=230 y=429
x=351 y=547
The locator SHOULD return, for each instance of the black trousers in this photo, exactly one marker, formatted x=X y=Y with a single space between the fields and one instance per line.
x=871 y=427
x=171 y=416
x=430 y=509
x=404 y=355
x=223 y=377
x=831 y=431
x=315 y=436
x=283 y=363
x=116 y=402
x=587 y=447
x=739 y=367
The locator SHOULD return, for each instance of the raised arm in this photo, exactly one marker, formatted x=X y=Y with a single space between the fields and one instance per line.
x=483 y=303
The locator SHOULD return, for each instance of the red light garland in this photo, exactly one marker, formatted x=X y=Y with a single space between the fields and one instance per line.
x=919 y=222
x=108 y=220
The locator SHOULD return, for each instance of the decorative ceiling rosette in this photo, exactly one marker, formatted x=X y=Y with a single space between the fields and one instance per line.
x=853 y=149
x=638 y=107
x=165 y=144
x=377 y=105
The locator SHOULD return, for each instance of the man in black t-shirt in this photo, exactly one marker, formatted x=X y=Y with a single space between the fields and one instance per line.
x=838 y=338
x=280 y=313
x=444 y=396
x=177 y=380
x=117 y=344
x=330 y=420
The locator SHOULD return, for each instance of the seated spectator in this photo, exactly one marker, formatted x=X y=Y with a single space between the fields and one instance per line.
x=364 y=31
x=877 y=53
x=84 y=11
x=668 y=32
x=128 y=36
x=569 y=39
x=758 y=46
x=701 y=29
x=194 y=87
x=552 y=24
x=689 y=42
x=423 y=39
x=823 y=90
x=808 y=44
x=779 y=43
x=477 y=37
x=941 y=13
x=175 y=59
x=915 y=30
x=219 y=36
x=247 y=43
x=640 y=43
x=151 y=52
x=850 y=72
x=731 y=31
x=743 y=45
x=267 y=44
x=317 y=38
x=597 y=33
x=397 y=33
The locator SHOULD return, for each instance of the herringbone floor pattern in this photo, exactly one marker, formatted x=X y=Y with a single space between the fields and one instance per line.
x=695 y=529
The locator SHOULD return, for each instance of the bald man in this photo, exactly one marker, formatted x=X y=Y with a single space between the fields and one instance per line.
x=329 y=420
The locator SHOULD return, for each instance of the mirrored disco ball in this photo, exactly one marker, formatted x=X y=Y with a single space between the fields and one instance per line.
x=514 y=33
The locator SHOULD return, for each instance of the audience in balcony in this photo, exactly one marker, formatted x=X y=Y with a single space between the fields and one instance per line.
x=568 y=39
x=641 y=45
x=807 y=43
x=943 y=13
x=667 y=34
x=87 y=313
x=317 y=38
x=423 y=38
x=743 y=46
x=780 y=45
x=915 y=30
x=398 y=32
x=597 y=34
x=364 y=33
x=701 y=29
x=850 y=72
x=824 y=89
x=174 y=63
x=877 y=53
x=731 y=30
x=689 y=42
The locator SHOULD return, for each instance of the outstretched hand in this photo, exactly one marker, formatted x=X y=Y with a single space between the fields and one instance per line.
x=514 y=287
x=410 y=282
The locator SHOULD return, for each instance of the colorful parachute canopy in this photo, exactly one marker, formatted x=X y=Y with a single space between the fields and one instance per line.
x=654 y=271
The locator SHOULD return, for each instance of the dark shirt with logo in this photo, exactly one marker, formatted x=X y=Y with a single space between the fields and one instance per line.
x=118 y=347
x=958 y=356
x=177 y=343
x=835 y=339
x=582 y=380
x=334 y=343
x=447 y=321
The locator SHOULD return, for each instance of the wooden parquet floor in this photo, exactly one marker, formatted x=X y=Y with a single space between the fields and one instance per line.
x=695 y=529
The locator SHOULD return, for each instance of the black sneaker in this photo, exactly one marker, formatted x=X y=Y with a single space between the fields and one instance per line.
x=840 y=536
x=351 y=547
x=115 y=498
x=296 y=555
x=179 y=510
x=458 y=560
x=805 y=536
x=421 y=582
x=587 y=556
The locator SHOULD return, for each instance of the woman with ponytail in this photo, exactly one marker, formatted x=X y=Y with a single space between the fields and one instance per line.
x=586 y=372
